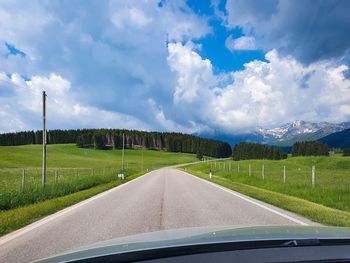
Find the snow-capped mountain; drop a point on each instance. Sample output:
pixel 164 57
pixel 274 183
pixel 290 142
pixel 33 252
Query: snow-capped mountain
pixel 285 135
pixel 301 130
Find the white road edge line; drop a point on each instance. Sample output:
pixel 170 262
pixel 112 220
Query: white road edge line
pixel 49 218
pixel 251 201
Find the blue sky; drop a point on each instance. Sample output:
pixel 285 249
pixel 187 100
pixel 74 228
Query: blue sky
pixel 191 66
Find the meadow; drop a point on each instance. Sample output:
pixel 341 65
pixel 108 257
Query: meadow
pixel 332 174
pixel 70 169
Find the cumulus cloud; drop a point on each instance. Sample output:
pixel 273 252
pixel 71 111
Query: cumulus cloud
pixel 130 17
pixel 21 107
pixel 134 64
pixel 170 125
pixel 194 74
pixel 308 30
pixel 114 53
pixel 241 43
pixel 264 93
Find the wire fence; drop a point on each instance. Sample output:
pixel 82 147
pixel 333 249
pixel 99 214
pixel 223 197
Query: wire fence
pixel 323 181
pixel 279 172
pixel 21 186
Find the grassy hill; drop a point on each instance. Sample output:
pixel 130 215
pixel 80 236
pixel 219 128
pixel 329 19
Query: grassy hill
pixel 337 140
pixel 68 155
pixel 70 169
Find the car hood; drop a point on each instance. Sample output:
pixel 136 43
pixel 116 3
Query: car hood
pixel 198 236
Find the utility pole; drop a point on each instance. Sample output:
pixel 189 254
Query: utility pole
pixel 44 141
pixel 123 159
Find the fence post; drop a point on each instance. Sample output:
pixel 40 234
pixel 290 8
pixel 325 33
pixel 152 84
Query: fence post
pixel 55 175
pixel 224 166
pixel 313 176
pixel 284 174
pixel 238 167
pixel 263 172
pixel 250 170
pixel 23 179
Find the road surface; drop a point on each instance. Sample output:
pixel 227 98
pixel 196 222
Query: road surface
pixel 162 199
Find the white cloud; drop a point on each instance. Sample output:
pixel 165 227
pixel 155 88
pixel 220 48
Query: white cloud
pixel 241 43
pixel 263 94
pixel 21 108
pixel 132 16
pixel 194 74
pixel 110 57
pixel 114 53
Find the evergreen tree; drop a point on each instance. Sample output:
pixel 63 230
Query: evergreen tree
pixel 310 148
pixel 346 152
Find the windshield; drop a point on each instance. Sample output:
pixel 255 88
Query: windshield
pixel 121 118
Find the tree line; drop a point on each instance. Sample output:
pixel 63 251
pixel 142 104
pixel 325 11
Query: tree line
pixel 310 148
pixel 346 152
pixel 247 151
pixel 113 139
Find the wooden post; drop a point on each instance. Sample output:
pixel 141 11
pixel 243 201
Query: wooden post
pixel 23 179
pixel 141 159
pixel 284 174
pixel 238 167
pixel 249 170
pixel 313 176
pixel 263 172
pixel 56 175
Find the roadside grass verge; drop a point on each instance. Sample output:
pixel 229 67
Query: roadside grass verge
pixel 13 198
pixel 13 219
pixel 313 211
pixel 332 187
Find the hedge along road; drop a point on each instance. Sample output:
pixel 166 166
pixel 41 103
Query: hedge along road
pixel 162 199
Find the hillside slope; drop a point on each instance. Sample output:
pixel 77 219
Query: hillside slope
pixel 337 140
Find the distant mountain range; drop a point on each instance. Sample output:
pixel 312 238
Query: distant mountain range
pixel 298 130
pixel 285 135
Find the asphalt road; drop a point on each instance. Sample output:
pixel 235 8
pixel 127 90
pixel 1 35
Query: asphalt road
pixel 162 199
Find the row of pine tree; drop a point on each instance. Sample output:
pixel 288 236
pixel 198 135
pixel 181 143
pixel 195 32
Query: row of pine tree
pixel 247 151
pixel 310 148
pixel 113 138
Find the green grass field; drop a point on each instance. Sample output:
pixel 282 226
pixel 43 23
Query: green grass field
pixel 70 169
pixel 332 187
